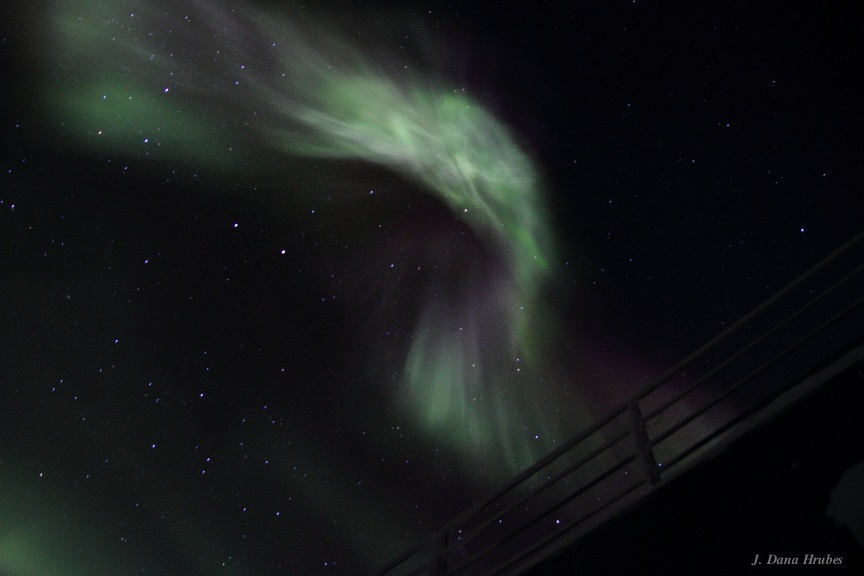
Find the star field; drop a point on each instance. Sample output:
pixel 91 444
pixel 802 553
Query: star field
pixel 287 287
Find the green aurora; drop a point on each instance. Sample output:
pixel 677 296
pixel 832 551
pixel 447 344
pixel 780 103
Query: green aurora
pixel 198 85
pixel 192 83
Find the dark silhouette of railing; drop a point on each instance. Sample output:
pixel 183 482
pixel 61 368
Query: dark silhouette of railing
pixel 781 351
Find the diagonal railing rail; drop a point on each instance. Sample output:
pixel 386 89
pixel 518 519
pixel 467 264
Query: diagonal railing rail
pixel 781 351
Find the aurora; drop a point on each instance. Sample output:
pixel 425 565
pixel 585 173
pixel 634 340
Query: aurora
pixel 292 287
pixel 210 86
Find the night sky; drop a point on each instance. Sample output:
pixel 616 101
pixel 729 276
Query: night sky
pixel 285 286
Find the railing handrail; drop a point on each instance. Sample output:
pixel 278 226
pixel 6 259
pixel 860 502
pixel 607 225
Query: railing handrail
pixel 437 547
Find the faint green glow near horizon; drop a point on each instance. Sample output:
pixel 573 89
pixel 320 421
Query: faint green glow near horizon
pixel 42 534
pixel 201 84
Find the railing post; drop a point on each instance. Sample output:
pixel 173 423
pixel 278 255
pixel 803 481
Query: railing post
pixel 643 445
pixel 437 561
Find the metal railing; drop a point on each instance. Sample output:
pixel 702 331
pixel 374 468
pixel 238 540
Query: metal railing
pixel 781 351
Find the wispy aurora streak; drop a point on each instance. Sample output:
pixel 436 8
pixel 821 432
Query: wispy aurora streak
pixel 211 85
